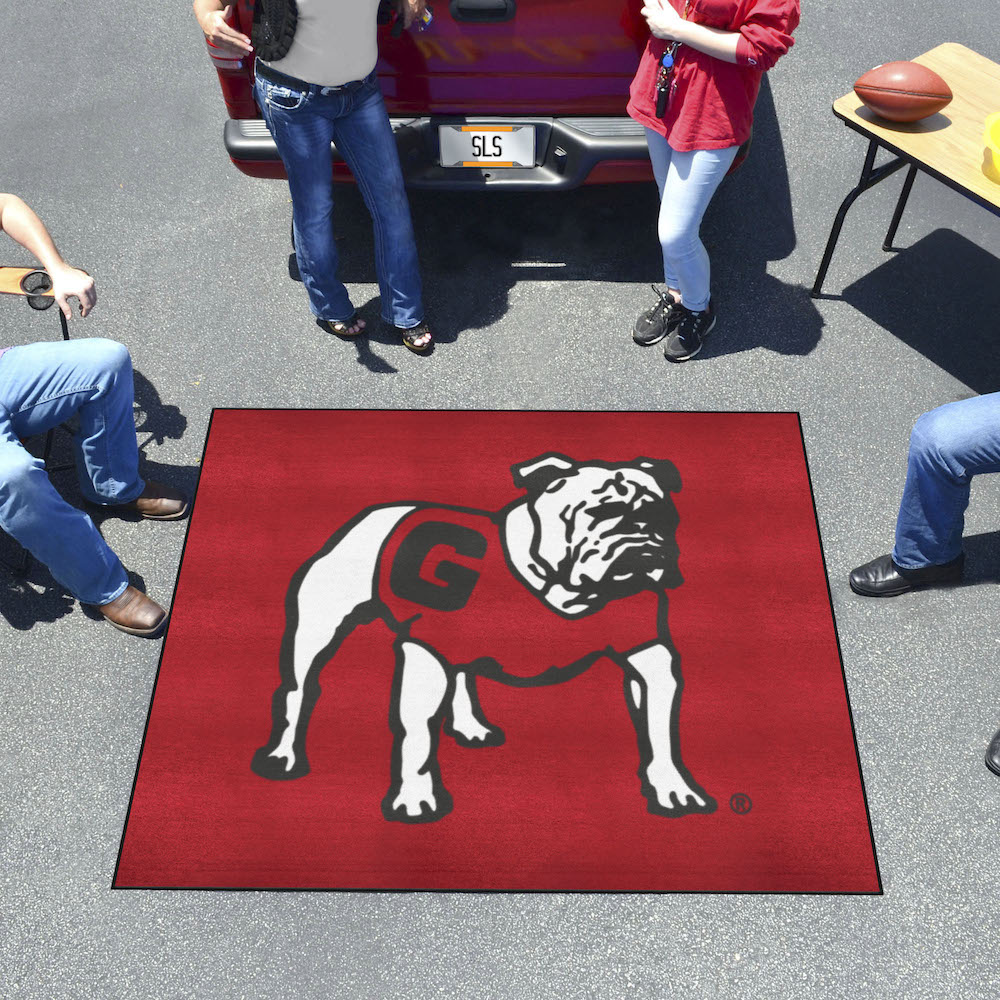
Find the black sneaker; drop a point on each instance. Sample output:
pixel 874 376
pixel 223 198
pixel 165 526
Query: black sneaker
pixel 688 337
pixel 654 324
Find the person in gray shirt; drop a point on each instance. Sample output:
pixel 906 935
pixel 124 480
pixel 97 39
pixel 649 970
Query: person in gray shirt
pixel 315 83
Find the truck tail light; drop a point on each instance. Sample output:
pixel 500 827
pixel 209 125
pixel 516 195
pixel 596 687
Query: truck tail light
pixel 223 60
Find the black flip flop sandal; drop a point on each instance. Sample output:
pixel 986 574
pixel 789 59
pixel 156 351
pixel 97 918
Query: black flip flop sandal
pixel 411 334
pixel 341 327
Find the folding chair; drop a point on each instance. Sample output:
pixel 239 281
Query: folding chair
pixel 35 287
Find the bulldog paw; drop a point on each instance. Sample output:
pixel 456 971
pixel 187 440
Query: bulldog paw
pixel 278 764
pixel 672 795
pixel 417 801
pixel 473 733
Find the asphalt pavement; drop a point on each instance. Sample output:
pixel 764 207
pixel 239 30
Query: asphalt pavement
pixel 111 129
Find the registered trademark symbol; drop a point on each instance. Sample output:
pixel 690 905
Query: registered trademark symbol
pixel 740 803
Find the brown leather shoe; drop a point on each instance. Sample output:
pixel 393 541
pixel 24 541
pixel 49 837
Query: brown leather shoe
pixel 158 502
pixel 135 613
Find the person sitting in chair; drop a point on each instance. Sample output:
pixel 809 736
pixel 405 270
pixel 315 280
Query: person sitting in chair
pixel 948 447
pixel 41 386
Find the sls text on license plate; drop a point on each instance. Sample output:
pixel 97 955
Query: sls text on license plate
pixel 487 145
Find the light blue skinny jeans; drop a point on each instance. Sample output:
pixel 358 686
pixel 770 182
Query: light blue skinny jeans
pixel 303 122
pixel 41 386
pixel 687 182
pixel 948 447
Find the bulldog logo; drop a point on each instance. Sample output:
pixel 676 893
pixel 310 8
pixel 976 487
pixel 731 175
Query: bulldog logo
pixel 574 569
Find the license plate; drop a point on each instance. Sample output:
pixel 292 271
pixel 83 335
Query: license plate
pixel 487 145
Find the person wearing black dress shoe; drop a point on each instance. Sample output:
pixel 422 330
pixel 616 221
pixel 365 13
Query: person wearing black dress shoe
pixel 948 447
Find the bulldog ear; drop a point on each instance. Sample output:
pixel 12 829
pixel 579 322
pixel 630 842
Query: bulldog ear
pixel 664 472
pixel 539 472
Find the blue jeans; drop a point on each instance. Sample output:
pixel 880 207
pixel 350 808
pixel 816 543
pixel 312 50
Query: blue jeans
pixel 687 182
pixel 948 447
pixel 42 385
pixel 304 121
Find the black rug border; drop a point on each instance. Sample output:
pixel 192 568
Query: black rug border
pixel 505 892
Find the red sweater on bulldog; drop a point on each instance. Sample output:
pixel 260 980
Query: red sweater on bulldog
pixel 711 101
pixel 444 575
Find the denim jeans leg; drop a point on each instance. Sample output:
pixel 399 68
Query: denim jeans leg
pixel 42 385
pixel 690 179
pixel 659 157
pixel 303 136
pixel 364 138
pixel 948 446
pixel 58 535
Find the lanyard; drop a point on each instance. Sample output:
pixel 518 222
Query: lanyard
pixel 666 70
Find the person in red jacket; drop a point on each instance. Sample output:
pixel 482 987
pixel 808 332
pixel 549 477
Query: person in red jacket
pixel 694 92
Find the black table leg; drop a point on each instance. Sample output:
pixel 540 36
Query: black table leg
pixel 50 435
pixel 900 205
pixel 870 176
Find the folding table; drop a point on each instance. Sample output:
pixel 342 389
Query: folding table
pixel 948 145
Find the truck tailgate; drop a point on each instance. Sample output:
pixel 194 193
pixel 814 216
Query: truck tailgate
pixel 552 57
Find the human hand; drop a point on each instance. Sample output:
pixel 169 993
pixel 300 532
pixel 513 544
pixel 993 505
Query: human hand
pixel 411 10
pixel 664 22
pixel 222 35
pixel 70 282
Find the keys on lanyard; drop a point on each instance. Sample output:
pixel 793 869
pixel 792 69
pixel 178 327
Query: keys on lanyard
pixel 663 79
pixel 666 70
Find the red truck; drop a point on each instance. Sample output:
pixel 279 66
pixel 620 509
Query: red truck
pixel 517 94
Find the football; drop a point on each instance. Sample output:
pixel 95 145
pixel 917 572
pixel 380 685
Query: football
pixel 903 91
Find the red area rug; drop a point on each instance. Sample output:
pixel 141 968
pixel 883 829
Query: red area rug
pixel 501 651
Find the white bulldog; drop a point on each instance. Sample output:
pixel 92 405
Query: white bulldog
pixel 575 569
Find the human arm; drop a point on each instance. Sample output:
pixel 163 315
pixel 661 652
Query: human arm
pixel 664 22
pixel 763 37
pixel 21 224
pixel 211 15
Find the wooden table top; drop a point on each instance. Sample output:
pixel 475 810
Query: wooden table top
pixel 949 143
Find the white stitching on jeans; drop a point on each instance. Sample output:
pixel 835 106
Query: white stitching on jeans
pixel 58 395
pixel 279 91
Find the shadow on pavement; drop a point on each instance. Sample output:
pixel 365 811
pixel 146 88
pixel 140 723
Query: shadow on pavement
pixel 474 247
pixel 982 558
pixel 25 601
pixel 153 417
pixel 942 297
pixel 749 224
